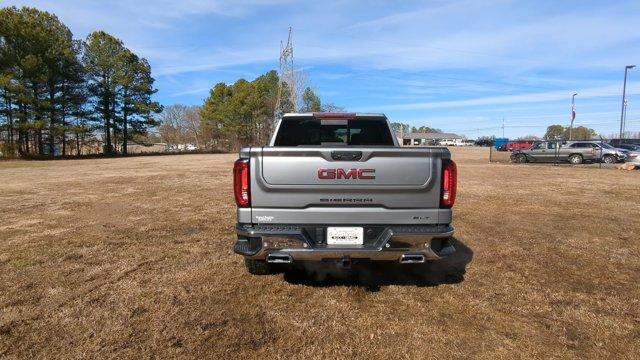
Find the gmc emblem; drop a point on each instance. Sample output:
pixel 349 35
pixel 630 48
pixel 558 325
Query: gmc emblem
pixel 364 174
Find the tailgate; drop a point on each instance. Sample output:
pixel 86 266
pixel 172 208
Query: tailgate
pixel 388 168
pixel 370 179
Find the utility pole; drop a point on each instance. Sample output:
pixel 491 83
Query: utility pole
pixel 624 93
pixel 503 127
pixel 573 114
pixel 624 118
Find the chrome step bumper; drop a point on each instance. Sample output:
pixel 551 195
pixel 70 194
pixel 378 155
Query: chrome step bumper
pixel 407 244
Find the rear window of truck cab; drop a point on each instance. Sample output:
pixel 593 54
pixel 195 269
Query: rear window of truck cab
pixel 583 145
pixel 307 131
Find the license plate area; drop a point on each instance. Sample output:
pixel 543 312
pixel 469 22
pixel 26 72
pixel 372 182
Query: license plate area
pixel 343 235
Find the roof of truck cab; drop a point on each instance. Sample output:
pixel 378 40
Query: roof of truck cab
pixel 314 114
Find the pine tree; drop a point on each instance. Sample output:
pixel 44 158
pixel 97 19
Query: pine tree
pixel 310 101
pixel 135 88
pixel 242 113
pixel 102 60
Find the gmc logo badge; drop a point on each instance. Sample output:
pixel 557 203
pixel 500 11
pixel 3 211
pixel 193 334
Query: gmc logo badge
pixel 364 174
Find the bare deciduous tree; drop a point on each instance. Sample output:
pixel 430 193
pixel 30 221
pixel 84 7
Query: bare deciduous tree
pixel 180 124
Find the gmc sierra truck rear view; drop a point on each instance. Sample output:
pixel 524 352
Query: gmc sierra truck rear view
pixel 337 186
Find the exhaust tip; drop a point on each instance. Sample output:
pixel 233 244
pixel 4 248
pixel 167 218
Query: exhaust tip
pixel 412 259
pixel 279 258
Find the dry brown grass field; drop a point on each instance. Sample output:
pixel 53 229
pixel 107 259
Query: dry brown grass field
pixel 131 257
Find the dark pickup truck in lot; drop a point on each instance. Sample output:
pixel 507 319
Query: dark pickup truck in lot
pixel 337 186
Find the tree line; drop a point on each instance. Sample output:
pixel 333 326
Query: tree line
pixel 403 128
pixel 237 114
pixel 65 96
pixel 554 132
pixel 559 132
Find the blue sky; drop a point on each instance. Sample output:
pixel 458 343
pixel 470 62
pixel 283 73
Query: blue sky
pixel 461 66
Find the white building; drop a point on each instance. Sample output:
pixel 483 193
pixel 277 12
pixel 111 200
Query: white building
pixel 427 139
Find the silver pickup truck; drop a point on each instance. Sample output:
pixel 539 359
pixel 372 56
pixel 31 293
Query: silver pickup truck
pixel 575 152
pixel 337 187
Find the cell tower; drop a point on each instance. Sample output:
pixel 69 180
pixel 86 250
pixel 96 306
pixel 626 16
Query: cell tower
pixel 287 78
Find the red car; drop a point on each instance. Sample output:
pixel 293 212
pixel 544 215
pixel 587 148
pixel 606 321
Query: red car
pixel 519 145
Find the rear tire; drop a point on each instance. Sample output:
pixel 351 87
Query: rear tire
pixel 521 158
pixel 575 159
pixel 609 159
pixel 258 267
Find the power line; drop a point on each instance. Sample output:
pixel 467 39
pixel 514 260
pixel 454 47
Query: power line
pixel 633 121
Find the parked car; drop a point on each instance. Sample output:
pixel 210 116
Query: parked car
pixel 540 151
pixel 451 142
pixel 501 144
pixel 519 145
pixel 634 156
pixel 337 186
pixel 575 152
pixel 610 154
pixel 629 147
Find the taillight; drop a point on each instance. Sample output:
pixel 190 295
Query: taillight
pixel 449 183
pixel 241 182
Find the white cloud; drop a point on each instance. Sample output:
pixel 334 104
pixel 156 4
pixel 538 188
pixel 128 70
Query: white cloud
pixel 497 35
pixel 562 95
pixel 480 57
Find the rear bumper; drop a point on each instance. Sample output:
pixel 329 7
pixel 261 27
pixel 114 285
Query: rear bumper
pixel 288 243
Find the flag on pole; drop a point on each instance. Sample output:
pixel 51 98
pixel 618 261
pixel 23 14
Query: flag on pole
pixel 573 113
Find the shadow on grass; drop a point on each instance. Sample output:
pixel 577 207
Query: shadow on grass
pixel 373 275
